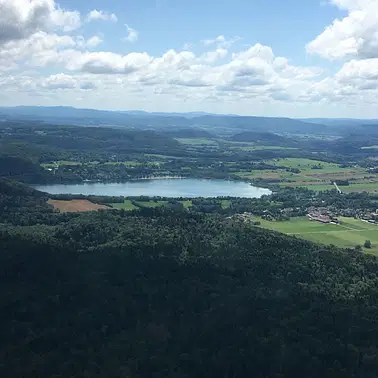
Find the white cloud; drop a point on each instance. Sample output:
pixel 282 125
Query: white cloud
pixel 220 41
pixel 37 33
pixel 65 20
pixel 217 40
pixel 213 56
pixel 354 36
pixel 132 34
pixel 104 62
pixel 96 15
pixel 94 41
pixel 59 81
pixel 38 50
pixel 20 19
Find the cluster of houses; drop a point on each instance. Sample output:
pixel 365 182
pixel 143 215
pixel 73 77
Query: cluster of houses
pixel 322 215
pixel 371 217
pixel 325 215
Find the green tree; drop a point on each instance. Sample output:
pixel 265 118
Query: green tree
pixel 367 244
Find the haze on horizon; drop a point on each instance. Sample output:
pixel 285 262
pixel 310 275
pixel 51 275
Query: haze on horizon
pixel 266 58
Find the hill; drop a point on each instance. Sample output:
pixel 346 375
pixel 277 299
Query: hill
pixel 189 133
pixel 262 138
pixel 20 169
pixel 173 294
pixel 144 120
pixel 340 122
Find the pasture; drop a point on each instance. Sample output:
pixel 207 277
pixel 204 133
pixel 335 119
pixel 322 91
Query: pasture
pixel 349 233
pixel 60 163
pixel 125 205
pixel 197 141
pixel 151 203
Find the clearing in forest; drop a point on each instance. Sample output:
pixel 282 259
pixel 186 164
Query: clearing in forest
pixel 75 206
pixel 349 233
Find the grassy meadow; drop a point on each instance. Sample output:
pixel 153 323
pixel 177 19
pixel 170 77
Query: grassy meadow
pixel 349 233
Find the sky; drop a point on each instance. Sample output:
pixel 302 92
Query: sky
pixel 292 58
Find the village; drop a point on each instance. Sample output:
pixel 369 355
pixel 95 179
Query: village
pixel 325 215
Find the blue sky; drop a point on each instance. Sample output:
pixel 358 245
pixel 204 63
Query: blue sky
pixel 265 57
pixel 285 25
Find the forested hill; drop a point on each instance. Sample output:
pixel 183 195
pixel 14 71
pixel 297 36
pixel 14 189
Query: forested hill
pixel 263 138
pixel 173 294
pixel 189 133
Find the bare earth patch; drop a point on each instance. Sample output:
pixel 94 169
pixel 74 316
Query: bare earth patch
pixel 75 206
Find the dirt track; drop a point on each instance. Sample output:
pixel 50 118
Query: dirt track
pixel 75 206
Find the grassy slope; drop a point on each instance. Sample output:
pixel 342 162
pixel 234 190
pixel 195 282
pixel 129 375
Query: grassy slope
pixel 347 235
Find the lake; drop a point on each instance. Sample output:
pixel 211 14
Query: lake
pixel 161 188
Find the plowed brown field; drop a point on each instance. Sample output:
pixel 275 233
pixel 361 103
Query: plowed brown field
pixel 75 206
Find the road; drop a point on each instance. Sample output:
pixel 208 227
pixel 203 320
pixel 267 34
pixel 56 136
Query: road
pixel 337 188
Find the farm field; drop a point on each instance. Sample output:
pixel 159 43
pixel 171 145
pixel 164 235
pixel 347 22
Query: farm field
pixel 197 141
pixel 225 204
pixel 187 204
pixel 370 187
pixel 75 206
pixel 126 205
pixel 150 203
pixel 315 175
pixel 129 163
pixel 261 148
pixel 129 206
pixel 349 233
pixel 60 162
pixel 325 170
pixel 304 164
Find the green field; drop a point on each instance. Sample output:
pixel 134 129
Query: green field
pixel 129 206
pixel 60 162
pixel 197 141
pixel 126 205
pixel 315 187
pixel 370 187
pixel 125 163
pixel 306 164
pixel 348 234
pixel 225 204
pixel 261 148
pixel 151 203
pixel 187 204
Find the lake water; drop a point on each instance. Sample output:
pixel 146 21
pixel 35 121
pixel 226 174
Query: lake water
pixel 161 188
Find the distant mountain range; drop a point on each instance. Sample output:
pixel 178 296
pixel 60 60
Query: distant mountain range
pixel 45 111
pixel 340 121
pixel 214 123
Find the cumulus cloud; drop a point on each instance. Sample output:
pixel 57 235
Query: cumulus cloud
pixel 20 19
pixel 93 41
pixel 105 62
pixel 213 56
pixel 354 36
pixel 96 15
pixel 38 49
pixel 37 33
pixel 59 81
pixel 358 74
pixel 132 34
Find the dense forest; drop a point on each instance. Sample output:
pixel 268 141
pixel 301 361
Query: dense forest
pixel 162 293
